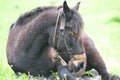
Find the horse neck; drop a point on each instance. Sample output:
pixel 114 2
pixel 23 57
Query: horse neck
pixel 36 27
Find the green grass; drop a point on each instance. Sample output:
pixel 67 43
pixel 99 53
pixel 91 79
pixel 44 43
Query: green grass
pixel 102 24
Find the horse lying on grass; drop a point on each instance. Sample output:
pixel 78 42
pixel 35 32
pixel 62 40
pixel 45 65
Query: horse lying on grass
pixel 51 39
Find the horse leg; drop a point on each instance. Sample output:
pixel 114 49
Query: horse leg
pixel 65 73
pixel 63 70
pixel 94 59
pixel 61 65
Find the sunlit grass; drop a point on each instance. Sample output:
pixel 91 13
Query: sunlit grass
pixel 102 24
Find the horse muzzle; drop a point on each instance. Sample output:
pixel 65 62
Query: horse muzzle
pixel 77 65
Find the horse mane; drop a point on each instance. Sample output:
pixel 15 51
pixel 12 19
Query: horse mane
pixel 28 16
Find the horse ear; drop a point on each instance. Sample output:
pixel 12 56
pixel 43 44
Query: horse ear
pixel 77 6
pixel 65 7
pixel 67 10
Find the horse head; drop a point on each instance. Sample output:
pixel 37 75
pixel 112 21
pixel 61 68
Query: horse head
pixel 66 37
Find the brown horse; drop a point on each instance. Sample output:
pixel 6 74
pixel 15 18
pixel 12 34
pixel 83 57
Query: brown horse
pixel 51 39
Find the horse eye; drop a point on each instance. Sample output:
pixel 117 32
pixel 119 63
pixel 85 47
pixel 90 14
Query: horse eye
pixel 73 34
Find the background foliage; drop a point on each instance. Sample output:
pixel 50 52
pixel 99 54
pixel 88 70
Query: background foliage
pixel 102 24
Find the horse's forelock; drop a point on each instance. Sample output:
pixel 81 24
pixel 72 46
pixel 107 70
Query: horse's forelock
pixel 77 22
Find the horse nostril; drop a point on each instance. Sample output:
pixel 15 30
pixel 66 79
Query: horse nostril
pixel 81 65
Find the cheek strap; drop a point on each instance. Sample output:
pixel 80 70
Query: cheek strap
pixel 61 17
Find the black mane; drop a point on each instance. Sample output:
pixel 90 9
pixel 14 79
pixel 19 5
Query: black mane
pixel 26 17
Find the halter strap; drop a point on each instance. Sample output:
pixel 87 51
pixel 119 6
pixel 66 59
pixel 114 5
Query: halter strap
pixel 62 23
